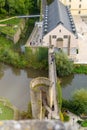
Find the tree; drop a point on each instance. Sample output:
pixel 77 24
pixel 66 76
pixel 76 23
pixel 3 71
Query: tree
pixel 2 4
pixel 63 65
pixel 13 7
pixel 78 104
pixel 81 97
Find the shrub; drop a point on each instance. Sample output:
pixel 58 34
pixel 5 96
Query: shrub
pixel 78 104
pixel 63 65
pixel 66 117
pixel 84 123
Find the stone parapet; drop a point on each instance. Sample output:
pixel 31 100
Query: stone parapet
pixel 33 125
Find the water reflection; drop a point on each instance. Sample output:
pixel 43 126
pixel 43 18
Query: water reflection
pixel 16 71
pixel 33 73
pixel 71 84
pixel 14 84
pixel 66 80
pixel 1 71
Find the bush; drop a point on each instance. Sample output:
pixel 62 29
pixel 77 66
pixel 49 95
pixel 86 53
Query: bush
pixel 66 117
pixel 63 65
pixel 84 123
pixel 80 69
pixel 78 104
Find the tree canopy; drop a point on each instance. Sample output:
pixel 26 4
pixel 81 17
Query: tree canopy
pixel 63 65
pixel 13 7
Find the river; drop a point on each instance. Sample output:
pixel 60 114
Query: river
pixel 14 84
pixel 72 83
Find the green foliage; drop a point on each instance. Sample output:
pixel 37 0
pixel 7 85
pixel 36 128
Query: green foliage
pixel 66 117
pixel 22 60
pixel 13 21
pixel 10 29
pixel 61 116
pixel 81 97
pixel 80 69
pixel 78 104
pixel 28 114
pixel 59 96
pixel 84 123
pixel 13 7
pixel 63 65
pixel 6 112
pixel 42 56
pixel 6 109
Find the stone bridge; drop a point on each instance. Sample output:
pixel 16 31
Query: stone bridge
pixel 51 106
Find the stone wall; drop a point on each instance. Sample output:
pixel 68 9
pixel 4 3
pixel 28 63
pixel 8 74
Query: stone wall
pixel 35 125
pixel 16 36
pixel 38 85
pixel 19 31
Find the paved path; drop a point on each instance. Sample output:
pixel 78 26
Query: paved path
pixel 35 37
pixel 81 27
pixel 53 78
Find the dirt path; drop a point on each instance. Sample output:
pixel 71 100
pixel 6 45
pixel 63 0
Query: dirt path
pixel 3 25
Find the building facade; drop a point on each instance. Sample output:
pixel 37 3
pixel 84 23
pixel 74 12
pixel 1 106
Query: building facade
pixel 78 7
pixel 59 25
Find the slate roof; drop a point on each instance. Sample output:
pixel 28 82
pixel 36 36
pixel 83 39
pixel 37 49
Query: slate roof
pixel 57 13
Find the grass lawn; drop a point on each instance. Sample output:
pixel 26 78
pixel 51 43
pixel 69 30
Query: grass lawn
pixel 6 113
pixel 11 28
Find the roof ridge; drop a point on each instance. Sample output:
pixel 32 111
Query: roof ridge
pixel 59 11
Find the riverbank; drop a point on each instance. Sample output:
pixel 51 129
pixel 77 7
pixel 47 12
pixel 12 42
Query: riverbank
pixel 80 69
pixel 12 54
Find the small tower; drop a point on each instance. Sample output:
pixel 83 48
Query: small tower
pixel 40 93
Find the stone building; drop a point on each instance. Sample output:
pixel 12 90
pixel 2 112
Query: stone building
pixel 78 7
pixel 59 25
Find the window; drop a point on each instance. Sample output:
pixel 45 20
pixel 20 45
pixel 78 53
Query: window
pixel 79 12
pixel 69 6
pixel 80 6
pixel 54 36
pixel 65 36
pixel 60 30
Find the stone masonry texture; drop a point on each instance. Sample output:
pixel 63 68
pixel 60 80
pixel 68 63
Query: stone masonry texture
pixel 33 125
